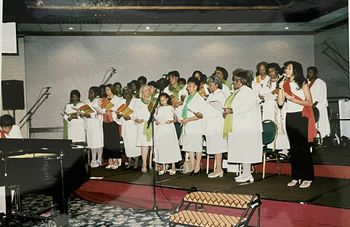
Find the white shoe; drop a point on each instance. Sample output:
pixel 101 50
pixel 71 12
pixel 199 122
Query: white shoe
pixel 216 174
pixel 114 166
pixel 98 163
pixel 238 177
pixel 108 166
pixel 293 183
pixel 94 164
pixel 161 172
pixel 172 172
pixel 305 184
pixel 245 179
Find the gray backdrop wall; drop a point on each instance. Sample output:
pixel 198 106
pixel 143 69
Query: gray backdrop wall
pixel 78 62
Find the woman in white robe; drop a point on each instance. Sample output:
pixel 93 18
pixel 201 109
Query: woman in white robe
pixel 242 126
pixel 214 123
pixel 192 130
pixel 75 122
pixel 94 128
pixel 142 110
pixel 129 131
pixel 166 144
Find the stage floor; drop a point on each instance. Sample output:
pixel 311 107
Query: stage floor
pixel 331 192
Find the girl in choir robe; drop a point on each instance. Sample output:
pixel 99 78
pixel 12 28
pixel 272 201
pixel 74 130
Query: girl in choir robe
pixel 111 133
pixel 242 126
pixel 192 130
pixel 142 110
pixel 214 123
pixel 166 144
pixel 129 130
pixel 75 122
pixel 94 127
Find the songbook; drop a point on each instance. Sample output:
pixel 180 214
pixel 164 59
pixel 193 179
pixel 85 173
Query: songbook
pixel 86 109
pixel 73 115
pixel 107 104
pixel 217 105
pixel 124 110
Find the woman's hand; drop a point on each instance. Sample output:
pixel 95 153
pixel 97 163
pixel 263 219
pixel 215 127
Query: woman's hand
pixel 119 115
pixel 289 97
pixel 185 120
pixel 156 122
pixel 228 111
pixel 139 121
pixel 169 122
pixel 128 118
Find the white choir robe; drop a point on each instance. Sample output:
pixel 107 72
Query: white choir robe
pixel 191 136
pixel 275 114
pixel 258 86
pixel 141 112
pixel 245 140
pixel 319 93
pixel 214 124
pixel 129 134
pixel 182 93
pixel 226 90
pixel 76 127
pixel 166 144
pixel 94 126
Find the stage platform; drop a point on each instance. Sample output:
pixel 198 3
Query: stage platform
pixel 326 203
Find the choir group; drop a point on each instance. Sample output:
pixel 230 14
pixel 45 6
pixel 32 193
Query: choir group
pixel 173 113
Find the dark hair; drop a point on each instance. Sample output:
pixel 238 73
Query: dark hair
pixel 113 90
pixel 7 120
pixel 126 90
pixel 264 63
pixel 223 70
pixel 162 83
pixel 197 71
pixel 274 66
pixel 245 76
pixel 297 72
pixel 238 70
pixel 74 92
pixel 193 80
pixel 216 80
pixel 117 83
pixel 313 68
pixel 174 73
pixel 142 80
pixel 102 91
pixel 152 83
pixel 166 96
pixel 136 83
pixel 96 90
pixel 182 80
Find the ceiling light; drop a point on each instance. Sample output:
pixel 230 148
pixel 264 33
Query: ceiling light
pixel 286 27
pixel 147 28
pixel 71 28
pixel 219 28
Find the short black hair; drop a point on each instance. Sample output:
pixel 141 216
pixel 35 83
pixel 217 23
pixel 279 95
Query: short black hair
pixel 313 68
pixel 142 80
pixel 152 83
pixel 193 80
pixel 274 66
pixel 182 80
pixel 7 120
pixel 96 90
pixel 166 96
pixel 74 92
pixel 174 73
pixel 223 70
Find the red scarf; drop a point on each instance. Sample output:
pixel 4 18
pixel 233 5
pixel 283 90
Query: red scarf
pixel 307 112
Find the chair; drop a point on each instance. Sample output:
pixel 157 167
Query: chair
pixel 269 136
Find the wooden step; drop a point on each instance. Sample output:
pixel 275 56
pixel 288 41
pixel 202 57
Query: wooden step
pixel 219 199
pixel 195 218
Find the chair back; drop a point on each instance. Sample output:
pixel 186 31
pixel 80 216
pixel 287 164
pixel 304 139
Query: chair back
pixel 269 131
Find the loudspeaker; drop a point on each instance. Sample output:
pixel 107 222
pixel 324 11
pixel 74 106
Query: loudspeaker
pixel 12 95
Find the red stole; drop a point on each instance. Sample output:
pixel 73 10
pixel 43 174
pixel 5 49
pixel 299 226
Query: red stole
pixel 307 112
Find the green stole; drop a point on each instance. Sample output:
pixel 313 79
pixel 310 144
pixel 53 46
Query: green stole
pixel 184 109
pixel 175 90
pixel 147 131
pixel 228 119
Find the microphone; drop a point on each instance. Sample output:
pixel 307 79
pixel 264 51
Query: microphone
pixel 113 69
pixel 280 80
pixel 47 88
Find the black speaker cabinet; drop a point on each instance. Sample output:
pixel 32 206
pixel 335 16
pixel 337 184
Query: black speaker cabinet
pixel 12 94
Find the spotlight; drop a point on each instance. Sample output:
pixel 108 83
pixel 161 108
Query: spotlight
pixel 71 28
pixel 286 27
pixel 147 28
pixel 219 28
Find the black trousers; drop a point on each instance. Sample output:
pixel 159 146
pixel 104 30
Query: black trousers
pixel 111 139
pixel 301 157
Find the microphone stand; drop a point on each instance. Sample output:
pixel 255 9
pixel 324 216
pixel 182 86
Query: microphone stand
pixel 109 77
pixel 33 109
pixel 154 172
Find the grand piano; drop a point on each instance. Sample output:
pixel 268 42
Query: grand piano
pixel 50 166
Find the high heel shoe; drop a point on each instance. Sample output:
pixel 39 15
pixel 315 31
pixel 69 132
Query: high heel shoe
pixel 172 172
pixel 216 174
pixel 245 179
